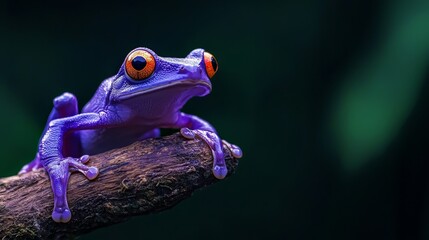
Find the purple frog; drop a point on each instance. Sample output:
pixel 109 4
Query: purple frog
pixel 145 95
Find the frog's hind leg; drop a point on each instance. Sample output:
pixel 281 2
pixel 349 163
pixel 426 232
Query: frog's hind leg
pixel 65 105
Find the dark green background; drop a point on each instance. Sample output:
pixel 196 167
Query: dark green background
pixel 328 100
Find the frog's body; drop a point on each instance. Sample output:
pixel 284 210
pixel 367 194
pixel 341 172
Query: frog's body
pixel 145 95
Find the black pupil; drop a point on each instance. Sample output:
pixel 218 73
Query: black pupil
pixel 138 63
pixel 214 64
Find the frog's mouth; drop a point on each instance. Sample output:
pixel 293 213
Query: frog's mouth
pixel 191 84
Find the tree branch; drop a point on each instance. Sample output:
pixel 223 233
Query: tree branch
pixel 146 177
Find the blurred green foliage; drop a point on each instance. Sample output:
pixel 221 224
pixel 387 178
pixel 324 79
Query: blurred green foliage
pixel 382 87
pixel 326 98
pixel 18 128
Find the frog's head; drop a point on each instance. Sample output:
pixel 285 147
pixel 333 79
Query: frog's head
pixel 146 78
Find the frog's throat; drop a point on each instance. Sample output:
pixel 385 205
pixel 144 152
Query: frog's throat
pixel 191 83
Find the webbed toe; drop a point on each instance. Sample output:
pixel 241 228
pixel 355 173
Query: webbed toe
pixel 61 215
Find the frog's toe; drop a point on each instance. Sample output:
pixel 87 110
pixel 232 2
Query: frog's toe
pixel 220 172
pixel 61 215
pixel 91 173
pixel 84 159
pixel 234 149
pixel 25 169
pixel 187 133
pixel 78 165
pixel 32 166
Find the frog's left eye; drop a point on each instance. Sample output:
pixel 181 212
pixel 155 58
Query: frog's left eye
pixel 211 64
pixel 139 65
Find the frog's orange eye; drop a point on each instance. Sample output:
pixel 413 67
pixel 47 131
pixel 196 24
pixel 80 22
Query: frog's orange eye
pixel 139 65
pixel 211 64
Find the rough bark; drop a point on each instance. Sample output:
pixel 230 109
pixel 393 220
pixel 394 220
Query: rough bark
pixel 145 177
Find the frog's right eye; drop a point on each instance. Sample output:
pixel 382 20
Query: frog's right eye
pixel 139 65
pixel 211 64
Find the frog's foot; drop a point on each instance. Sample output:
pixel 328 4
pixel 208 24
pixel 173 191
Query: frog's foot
pixel 59 172
pixel 31 166
pixel 214 142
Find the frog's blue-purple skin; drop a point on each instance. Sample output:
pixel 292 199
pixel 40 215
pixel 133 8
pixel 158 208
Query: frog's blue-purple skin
pixel 122 111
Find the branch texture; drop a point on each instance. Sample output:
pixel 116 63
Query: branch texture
pixel 145 177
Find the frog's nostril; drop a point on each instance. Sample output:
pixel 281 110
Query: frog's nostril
pixel 182 69
pixel 191 71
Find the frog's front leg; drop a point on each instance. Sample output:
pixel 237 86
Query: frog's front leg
pixel 193 126
pixel 60 168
